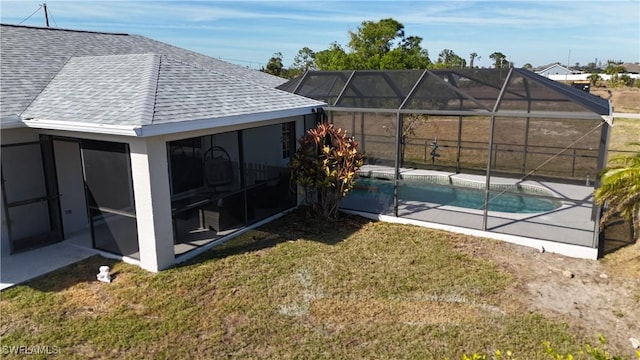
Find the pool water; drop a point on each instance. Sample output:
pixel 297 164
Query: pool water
pixel 454 196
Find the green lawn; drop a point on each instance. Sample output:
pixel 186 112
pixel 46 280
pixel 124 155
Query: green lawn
pixel 295 288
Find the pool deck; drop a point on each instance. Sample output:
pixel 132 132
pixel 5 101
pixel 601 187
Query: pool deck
pixel 570 224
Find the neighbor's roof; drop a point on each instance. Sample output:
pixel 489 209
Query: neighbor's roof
pixel 119 79
pixel 546 68
pixel 633 68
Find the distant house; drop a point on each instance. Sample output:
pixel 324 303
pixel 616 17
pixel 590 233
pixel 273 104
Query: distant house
pixel 632 68
pixel 555 69
pixel 139 149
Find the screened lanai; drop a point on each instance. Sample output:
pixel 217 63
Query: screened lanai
pixel 502 151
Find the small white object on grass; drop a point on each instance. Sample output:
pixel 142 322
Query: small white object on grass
pixel 635 343
pixel 103 275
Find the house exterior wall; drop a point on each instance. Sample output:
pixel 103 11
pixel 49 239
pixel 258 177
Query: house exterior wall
pixel 73 203
pixel 555 70
pixel 150 173
pixel 149 169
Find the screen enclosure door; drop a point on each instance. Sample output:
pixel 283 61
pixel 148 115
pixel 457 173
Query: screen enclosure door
pixel 109 193
pixel 30 195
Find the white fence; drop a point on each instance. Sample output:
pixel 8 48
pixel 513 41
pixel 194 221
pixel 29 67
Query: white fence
pixel 578 77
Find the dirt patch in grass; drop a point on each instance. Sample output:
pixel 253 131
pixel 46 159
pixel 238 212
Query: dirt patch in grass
pixel 87 300
pixel 412 312
pixel 593 297
pixel 624 99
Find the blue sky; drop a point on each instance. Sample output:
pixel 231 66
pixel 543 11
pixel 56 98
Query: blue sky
pixel 249 32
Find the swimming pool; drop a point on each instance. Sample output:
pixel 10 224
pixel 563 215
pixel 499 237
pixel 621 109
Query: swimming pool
pixel 470 198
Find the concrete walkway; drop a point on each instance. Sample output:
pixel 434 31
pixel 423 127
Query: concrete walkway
pixel 626 115
pixel 21 267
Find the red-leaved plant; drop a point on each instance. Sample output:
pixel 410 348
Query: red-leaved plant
pixel 326 165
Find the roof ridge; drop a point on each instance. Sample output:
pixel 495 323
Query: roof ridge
pixel 155 91
pixel 63 29
pixel 199 67
pixel 45 86
pixel 209 57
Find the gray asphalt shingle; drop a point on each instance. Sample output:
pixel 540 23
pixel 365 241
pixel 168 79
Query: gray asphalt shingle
pixel 186 92
pixel 147 89
pixel 101 89
pixel 32 57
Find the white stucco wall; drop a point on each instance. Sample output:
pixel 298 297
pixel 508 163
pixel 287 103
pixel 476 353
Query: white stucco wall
pixel 73 204
pixel 149 168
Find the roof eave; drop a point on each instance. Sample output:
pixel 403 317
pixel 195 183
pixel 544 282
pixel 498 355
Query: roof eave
pixel 234 120
pixel 48 124
pixel 167 128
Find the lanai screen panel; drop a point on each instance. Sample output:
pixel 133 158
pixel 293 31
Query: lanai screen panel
pixel 324 86
pixel 464 89
pixel 525 95
pixel 562 148
pixel 378 90
pixel 542 128
pixel 376 133
pixel 481 84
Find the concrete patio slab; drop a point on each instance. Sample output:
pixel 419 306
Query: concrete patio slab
pixel 21 267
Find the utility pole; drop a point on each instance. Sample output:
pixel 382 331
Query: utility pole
pixel 46 15
pixel 568 62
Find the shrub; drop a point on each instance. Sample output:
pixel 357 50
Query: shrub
pixel 326 165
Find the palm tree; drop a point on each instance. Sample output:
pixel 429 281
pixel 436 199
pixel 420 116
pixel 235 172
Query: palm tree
pixel 594 78
pixel 620 190
pixel 473 56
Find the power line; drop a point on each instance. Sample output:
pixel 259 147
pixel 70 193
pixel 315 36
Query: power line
pixel 27 18
pixel 52 18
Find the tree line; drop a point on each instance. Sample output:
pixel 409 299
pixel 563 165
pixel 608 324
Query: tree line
pixel 376 45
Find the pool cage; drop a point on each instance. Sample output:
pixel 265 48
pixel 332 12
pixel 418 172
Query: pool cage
pixel 503 151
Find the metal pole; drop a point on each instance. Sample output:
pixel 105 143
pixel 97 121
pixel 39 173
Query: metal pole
pixel 396 177
pixel 459 144
pixel 526 147
pixel 526 129
pixel 490 147
pixel 46 14
pixel 602 162
pixel 362 135
pixel 573 164
pixel 353 124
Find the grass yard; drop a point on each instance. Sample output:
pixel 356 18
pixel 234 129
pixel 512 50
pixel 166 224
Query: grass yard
pixel 295 288
pixel 624 133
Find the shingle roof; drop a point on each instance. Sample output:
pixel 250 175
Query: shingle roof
pixel 186 92
pixel 102 89
pixel 69 63
pixel 632 68
pixel 149 89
